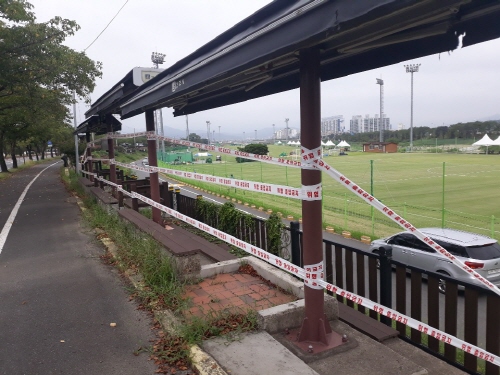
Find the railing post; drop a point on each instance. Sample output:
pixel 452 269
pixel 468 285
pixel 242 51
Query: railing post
pixel 177 199
pixel 385 281
pixel 295 243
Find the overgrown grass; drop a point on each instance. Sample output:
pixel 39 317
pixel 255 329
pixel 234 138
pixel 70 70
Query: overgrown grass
pixel 162 288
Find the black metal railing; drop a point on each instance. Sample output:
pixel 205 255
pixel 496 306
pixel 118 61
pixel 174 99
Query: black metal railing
pixel 465 310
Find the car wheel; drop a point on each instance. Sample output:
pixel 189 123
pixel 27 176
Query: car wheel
pixel 442 283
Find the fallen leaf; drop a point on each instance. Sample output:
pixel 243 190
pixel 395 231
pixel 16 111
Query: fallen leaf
pixel 112 324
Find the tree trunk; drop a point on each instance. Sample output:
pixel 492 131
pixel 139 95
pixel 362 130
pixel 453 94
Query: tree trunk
pixel 29 152
pixel 13 154
pixel 3 164
pixel 37 151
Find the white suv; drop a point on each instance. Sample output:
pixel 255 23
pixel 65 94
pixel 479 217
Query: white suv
pixel 479 252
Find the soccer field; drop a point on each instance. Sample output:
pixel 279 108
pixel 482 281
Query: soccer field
pixel 411 184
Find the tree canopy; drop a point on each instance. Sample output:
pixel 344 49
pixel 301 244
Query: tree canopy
pixel 39 76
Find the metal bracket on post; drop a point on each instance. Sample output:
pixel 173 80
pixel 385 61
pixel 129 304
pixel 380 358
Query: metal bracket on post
pixel 385 281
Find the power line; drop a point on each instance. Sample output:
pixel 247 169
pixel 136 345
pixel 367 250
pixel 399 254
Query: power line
pixel 109 23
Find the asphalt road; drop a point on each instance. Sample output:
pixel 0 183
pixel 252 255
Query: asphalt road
pixel 57 299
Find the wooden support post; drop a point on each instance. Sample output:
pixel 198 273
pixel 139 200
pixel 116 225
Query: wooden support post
pixel 153 177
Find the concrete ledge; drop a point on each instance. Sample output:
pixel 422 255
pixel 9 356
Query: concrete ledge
pixel 279 318
pixel 277 277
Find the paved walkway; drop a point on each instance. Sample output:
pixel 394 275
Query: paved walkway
pixel 57 299
pixel 237 292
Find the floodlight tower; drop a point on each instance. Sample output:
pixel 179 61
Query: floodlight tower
pixel 412 68
pixel 286 120
pixel 381 122
pixel 158 59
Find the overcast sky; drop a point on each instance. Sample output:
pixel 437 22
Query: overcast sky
pixel 460 86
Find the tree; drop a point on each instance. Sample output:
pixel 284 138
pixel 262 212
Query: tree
pixel 193 137
pixel 252 148
pixel 37 68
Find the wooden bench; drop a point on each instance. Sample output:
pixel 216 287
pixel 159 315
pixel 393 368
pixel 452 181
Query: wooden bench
pixel 178 241
pixel 104 197
pixel 85 181
pixel 363 323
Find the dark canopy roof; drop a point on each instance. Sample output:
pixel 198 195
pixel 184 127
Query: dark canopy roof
pixel 259 55
pixel 98 124
pixel 110 101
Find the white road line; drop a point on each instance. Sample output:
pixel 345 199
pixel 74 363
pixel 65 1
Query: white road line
pixel 13 214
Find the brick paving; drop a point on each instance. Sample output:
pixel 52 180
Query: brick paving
pixel 233 292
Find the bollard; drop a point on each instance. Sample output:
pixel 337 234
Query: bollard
pixel 385 253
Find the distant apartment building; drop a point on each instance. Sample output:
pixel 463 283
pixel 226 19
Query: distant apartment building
pixel 292 133
pixel 367 124
pixel 332 125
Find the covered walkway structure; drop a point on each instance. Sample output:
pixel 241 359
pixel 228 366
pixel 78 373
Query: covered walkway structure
pixel 297 44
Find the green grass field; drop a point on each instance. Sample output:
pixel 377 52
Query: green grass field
pixel 411 184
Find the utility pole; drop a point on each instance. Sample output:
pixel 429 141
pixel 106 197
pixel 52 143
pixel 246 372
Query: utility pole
pixel 77 157
pixel 381 122
pixel 187 128
pixel 286 120
pixel 412 68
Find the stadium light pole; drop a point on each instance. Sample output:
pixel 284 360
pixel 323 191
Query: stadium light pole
pixel 381 118
pixel 158 59
pixel 412 68
pixel 208 132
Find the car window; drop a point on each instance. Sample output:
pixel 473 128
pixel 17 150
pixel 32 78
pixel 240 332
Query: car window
pixel 456 250
pixel 485 252
pixel 409 240
pixel 403 239
pixel 421 245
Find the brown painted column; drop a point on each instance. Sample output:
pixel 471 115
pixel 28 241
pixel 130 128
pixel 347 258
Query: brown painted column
pixel 315 327
pixel 89 154
pixel 153 177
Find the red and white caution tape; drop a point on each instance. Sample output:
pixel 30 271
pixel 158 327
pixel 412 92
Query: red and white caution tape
pixel 313 277
pixel 131 135
pixel 406 225
pixel 202 146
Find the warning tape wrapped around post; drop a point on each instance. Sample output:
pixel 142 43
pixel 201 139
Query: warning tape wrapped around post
pixel 316 275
